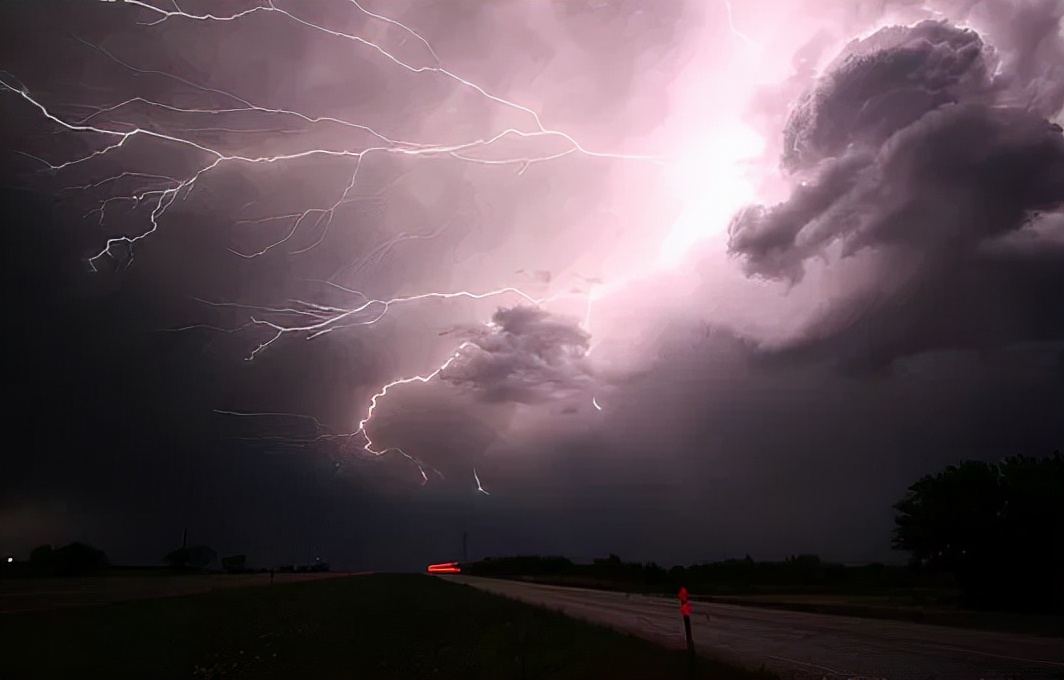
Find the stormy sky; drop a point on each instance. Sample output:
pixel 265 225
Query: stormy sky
pixel 675 280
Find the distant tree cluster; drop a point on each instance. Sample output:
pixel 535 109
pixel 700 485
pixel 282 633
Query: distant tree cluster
pixel 742 576
pixel 522 565
pixel 75 559
pixel 998 528
pixel 798 573
pixel 196 557
pixel 235 564
pixel 316 568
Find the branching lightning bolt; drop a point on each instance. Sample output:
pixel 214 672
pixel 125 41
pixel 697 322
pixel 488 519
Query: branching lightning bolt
pixel 735 31
pixel 480 487
pixel 314 320
pixel 158 192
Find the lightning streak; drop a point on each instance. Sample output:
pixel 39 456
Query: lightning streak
pixel 324 319
pixel 112 124
pixel 373 402
pixel 298 416
pixel 735 31
pixel 480 487
pixel 164 198
pixel 314 320
pixel 435 68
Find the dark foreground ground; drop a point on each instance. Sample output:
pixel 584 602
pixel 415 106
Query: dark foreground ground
pixel 377 626
pixel 913 605
pixel 807 646
pixel 36 594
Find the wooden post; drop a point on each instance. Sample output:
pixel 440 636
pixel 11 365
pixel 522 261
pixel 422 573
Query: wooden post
pixel 687 632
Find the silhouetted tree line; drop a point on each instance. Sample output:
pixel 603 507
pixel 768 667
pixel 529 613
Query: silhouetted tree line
pixel 998 528
pixel 75 559
pixel 81 559
pixel 316 568
pixel 195 558
pixel 993 530
pixel 746 576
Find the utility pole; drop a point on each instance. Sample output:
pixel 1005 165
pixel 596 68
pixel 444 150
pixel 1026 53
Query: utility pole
pixel 465 547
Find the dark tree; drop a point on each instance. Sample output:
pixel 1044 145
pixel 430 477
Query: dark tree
pixel 235 563
pixel 654 575
pixel 76 559
pixel 177 559
pixel 196 557
pixel 41 556
pixel 998 528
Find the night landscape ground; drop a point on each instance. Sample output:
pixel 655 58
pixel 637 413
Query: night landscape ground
pixel 377 626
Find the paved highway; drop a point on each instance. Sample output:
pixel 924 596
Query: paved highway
pixel 801 646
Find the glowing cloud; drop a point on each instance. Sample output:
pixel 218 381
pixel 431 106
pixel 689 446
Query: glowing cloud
pixel 712 180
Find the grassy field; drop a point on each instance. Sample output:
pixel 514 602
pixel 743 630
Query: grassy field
pixel 380 626
pixel 29 594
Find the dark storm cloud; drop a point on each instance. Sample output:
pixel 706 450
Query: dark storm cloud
pixel 769 236
pixel 140 453
pixel 908 149
pixel 901 143
pixel 1030 43
pixel 958 176
pixel 757 449
pixel 698 452
pixel 884 83
pixel 525 355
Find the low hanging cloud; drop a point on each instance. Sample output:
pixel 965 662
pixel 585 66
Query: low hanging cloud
pixel 912 148
pixel 525 355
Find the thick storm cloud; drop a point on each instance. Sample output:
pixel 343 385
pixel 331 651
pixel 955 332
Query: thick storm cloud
pixel 903 143
pixel 525 355
pixel 679 281
pixel 881 84
pixel 910 152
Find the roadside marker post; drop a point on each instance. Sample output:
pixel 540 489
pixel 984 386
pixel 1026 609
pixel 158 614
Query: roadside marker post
pixel 685 611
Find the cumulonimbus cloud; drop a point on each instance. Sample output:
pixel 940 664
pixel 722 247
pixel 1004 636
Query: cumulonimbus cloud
pixel 904 142
pixel 915 147
pixel 524 355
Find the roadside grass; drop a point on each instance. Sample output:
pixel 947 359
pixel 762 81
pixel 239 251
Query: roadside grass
pixel 903 609
pixel 378 626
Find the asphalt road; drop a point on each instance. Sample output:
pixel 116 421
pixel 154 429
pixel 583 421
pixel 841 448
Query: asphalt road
pixel 803 646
